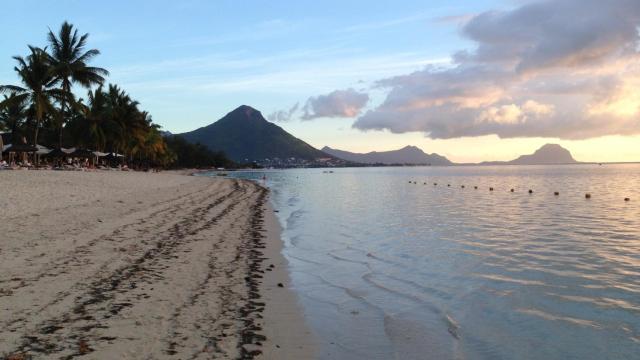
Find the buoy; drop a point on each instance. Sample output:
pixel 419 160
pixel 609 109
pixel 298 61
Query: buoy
pixel 627 199
pixel 512 190
pixel 475 187
pixel 556 193
pixel 490 189
pixel 424 184
pixel 530 191
pixel 462 186
pixel 449 185
pixel 587 196
pixel 435 184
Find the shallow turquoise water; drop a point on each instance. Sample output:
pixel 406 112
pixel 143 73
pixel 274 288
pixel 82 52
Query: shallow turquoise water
pixel 390 269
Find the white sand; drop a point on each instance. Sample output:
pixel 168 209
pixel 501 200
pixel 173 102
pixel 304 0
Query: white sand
pixel 113 265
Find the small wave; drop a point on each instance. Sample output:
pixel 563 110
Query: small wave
pixel 341 258
pixel 602 302
pixel 551 317
pixel 511 280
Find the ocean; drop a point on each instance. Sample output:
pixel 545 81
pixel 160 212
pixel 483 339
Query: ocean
pixel 389 265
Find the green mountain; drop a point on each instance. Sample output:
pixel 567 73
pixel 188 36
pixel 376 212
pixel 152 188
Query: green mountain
pixel 244 135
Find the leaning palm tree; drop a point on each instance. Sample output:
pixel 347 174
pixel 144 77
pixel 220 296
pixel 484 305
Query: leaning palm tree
pixel 35 75
pixel 69 66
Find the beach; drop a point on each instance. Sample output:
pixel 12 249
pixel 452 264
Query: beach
pixel 113 265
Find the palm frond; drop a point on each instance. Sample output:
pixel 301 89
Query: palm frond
pixel 12 89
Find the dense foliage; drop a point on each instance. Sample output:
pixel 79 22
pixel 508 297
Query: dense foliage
pixel 188 155
pixel 43 109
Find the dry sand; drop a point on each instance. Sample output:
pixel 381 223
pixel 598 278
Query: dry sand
pixel 112 265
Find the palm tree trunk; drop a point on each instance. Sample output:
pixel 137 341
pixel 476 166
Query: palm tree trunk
pixel 63 108
pixel 35 133
pixel 61 125
pixel 35 141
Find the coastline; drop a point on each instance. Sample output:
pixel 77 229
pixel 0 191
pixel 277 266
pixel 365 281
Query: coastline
pixel 139 265
pixel 288 336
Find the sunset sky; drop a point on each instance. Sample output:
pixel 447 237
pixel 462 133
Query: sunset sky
pixel 478 80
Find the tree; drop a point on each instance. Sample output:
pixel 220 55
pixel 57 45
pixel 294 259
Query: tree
pixel 69 60
pixel 13 113
pixel 109 119
pixel 35 75
pixel 187 155
pixel 90 125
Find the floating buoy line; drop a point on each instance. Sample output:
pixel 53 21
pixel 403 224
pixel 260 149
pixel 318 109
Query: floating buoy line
pixel 555 193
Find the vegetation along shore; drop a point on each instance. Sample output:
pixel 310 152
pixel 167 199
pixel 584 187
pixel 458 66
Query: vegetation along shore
pixel 46 111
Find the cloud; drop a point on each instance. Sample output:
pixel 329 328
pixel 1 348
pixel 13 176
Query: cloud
pixel 339 103
pixel 283 115
pixel 515 114
pixel 564 68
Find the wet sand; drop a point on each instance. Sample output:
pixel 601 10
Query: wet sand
pixel 112 265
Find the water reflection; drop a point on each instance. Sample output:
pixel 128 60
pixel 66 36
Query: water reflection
pixel 386 268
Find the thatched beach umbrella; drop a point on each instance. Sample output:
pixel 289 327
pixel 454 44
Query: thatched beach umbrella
pixel 57 154
pixel 83 154
pixel 20 148
pixel 112 157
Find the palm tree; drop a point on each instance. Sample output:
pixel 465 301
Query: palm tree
pixel 155 148
pixel 13 112
pixel 34 73
pixel 69 60
pixel 93 127
pixel 125 114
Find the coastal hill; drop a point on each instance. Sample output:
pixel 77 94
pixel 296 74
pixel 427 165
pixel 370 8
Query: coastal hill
pixel 549 154
pixel 407 155
pixel 245 135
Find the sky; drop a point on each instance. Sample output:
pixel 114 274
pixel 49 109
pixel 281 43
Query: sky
pixel 471 80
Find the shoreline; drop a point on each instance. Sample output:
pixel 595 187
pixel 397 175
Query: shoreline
pixel 287 333
pixel 138 265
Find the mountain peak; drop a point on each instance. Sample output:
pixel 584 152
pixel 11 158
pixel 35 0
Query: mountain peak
pixel 245 112
pixel 245 135
pixel 550 147
pixel 412 148
pixel 547 154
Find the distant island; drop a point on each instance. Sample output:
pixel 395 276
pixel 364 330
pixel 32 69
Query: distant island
pixel 549 154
